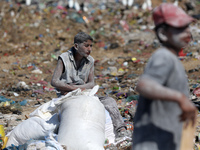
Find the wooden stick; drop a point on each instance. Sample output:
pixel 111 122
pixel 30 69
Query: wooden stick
pixel 187 139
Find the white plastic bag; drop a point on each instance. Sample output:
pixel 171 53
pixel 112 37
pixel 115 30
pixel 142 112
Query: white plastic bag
pixel 45 111
pixel 82 125
pixel 33 128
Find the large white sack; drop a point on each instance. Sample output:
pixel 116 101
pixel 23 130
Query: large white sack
pixel 33 128
pixel 46 110
pixel 82 125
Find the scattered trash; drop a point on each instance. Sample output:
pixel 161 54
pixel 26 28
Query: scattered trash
pixel 35 33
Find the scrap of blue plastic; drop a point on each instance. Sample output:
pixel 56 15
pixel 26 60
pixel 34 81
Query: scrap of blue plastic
pixel 3 99
pixel 23 103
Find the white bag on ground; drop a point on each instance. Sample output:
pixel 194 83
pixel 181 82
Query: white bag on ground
pixel 82 125
pixel 33 128
pixel 46 110
pixel 109 129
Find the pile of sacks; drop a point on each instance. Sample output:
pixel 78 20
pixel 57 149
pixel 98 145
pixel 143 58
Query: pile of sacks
pixel 77 120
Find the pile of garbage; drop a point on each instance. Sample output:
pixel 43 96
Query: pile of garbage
pixel 34 33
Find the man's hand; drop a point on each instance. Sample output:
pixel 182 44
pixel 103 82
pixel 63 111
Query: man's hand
pixel 82 89
pixel 189 111
pixel 64 93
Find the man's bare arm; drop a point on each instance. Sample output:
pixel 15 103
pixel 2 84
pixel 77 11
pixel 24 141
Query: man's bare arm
pixel 90 84
pixel 153 90
pixel 62 86
pixel 57 83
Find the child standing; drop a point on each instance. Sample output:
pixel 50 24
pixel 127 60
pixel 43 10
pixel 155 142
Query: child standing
pixel 164 94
